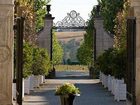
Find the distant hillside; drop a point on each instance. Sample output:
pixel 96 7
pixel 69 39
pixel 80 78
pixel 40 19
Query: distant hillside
pixel 67 36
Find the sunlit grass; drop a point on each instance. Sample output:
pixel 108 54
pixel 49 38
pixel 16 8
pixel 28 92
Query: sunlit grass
pixel 71 67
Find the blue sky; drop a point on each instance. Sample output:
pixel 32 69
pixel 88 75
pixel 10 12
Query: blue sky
pixel 60 8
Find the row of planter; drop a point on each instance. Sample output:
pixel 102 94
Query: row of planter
pixel 116 86
pixel 29 84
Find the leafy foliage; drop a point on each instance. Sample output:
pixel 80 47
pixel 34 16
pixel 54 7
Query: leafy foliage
pixel 27 59
pixel 113 62
pixel 85 52
pixel 57 53
pixel 25 8
pixel 41 62
pixel 70 51
pixel 109 10
pixel 84 55
pixel 40 12
pixel 66 89
pixel 120 27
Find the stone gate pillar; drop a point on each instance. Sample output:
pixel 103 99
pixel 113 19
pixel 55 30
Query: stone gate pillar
pixel 135 4
pixel 103 40
pixel 45 36
pixel 6 51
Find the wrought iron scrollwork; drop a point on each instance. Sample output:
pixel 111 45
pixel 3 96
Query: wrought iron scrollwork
pixel 73 19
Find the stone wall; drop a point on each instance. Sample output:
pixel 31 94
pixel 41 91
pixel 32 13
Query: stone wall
pixel 6 51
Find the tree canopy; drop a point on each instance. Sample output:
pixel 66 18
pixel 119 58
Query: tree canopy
pixel 57 53
pixel 109 10
pixel 85 52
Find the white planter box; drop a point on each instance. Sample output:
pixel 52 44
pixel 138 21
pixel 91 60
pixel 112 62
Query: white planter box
pixel 120 90
pixel 109 82
pixel 36 82
pixel 41 79
pixel 14 91
pixel 105 81
pixel 44 79
pixel 23 88
pixel 114 81
pixel 100 76
pixel 32 82
pixel 103 78
pixel 27 85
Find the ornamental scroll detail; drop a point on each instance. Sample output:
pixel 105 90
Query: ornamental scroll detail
pixel 4 53
pixel 73 19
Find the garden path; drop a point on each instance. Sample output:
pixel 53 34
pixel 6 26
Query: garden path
pixel 92 92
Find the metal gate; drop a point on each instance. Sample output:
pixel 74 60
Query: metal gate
pixel 131 59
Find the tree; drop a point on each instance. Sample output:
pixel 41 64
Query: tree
pixel 84 55
pixel 27 59
pixel 33 11
pixel 41 61
pixel 85 52
pixel 120 27
pixel 40 11
pixel 109 10
pixel 25 8
pixel 57 53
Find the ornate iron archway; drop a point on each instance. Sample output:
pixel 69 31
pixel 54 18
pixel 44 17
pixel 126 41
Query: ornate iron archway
pixel 73 20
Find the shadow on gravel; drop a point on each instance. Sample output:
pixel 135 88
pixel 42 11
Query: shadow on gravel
pixel 73 77
pixel 95 94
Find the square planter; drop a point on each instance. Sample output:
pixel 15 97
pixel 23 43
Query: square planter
pixel 120 90
pixel 41 79
pixel 14 91
pixel 31 82
pixel 27 85
pixel 36 81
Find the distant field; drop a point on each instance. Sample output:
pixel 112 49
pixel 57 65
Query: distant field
pixel 71 67
pixel 67 36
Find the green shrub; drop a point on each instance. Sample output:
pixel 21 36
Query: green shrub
pixel 119 64
pixel 112 62
pixel 66 89
pixel 27 59
pixel 41 62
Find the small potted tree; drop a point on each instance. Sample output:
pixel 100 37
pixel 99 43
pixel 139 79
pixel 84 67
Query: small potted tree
pixel 41 64
pixel 67 93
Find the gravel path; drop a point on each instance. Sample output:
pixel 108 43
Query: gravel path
pixel 92 92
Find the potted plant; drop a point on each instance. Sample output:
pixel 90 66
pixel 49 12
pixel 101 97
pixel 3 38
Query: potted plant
pixel 41 64
pixel 67 93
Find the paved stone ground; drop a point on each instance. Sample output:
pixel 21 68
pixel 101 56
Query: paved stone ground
pixel 92 92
